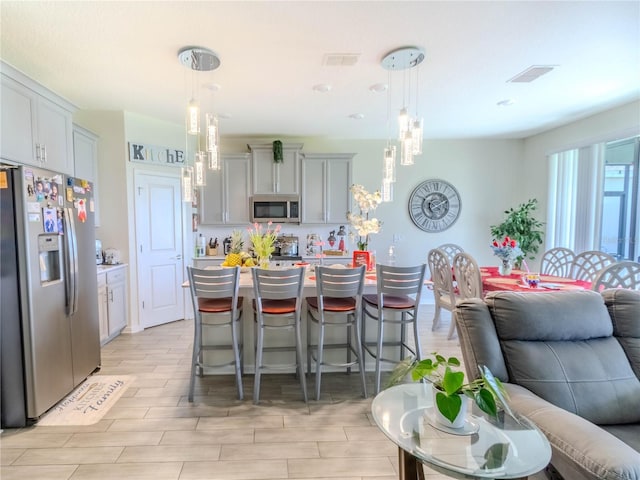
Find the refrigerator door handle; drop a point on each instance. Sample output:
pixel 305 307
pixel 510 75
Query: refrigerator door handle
pixel 72 262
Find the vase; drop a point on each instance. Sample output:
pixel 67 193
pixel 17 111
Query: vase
pixel 263 261
pixel 505 267
pixel 458 422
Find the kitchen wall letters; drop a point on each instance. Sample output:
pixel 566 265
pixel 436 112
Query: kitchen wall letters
pixel 139 152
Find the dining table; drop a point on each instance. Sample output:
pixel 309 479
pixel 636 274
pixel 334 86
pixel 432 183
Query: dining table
pixel 492 281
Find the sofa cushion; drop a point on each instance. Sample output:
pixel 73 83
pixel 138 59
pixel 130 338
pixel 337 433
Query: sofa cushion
pixel 560 346
pixel 624 309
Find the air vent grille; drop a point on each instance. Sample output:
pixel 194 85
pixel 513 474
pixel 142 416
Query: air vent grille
pixel 531 73
pixel 340 59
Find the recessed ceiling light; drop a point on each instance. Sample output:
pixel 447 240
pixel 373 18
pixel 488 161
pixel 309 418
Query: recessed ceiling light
pixel 357 116
pixel 322 87
pixel 379 87
pixel 212 87
pixel 506 102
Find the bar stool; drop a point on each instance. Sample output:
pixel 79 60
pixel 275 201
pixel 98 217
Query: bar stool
pixel 398 292
pixel 338 304
pixel 216 304
pixel 277 297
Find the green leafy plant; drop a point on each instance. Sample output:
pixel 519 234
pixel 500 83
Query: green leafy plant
pixel 450 384
pixel 521 226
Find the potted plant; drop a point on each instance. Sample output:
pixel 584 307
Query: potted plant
pixel 521 226
pixel 449 387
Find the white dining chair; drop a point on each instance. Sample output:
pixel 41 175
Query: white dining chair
pixel 442 278
pixel 557 261
pixel 587 264
pixel 618 275
pixel 451 249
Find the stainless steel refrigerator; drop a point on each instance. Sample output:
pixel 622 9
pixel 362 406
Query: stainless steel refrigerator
pixel 49 338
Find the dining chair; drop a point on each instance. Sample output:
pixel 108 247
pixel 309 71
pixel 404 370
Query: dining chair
pixel 398 293
pixel 557 261
pixel 443 290
pixel 277 307
pixel 468 276
pixel 587 264
pixel 451 249
pixel 618 275
pixel 216 304
pixel 337 304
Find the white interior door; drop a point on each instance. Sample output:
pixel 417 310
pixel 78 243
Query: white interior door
pixel 159 239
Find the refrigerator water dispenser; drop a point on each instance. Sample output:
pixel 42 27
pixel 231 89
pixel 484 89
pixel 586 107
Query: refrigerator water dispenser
pixel 49 251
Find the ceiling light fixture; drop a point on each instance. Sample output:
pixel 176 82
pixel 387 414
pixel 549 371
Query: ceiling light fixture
pixel 200 59
pixel 410 129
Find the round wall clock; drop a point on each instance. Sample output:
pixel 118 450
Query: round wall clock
pixel 434 205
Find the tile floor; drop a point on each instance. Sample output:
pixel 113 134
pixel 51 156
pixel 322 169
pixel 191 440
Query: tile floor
pixel 154 433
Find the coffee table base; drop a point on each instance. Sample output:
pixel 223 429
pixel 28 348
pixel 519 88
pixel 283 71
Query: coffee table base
pixel 411 469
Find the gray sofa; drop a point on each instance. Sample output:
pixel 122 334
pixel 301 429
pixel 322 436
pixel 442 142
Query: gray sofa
pixel 571 363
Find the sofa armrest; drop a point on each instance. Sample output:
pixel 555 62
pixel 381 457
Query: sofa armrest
pixel 580 449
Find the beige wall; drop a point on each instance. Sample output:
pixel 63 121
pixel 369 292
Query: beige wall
pixel 490 175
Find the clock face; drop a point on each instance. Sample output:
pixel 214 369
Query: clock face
pixel 434 205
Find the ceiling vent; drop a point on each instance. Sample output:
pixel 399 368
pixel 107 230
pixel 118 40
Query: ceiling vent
pixel 340 59
pixel 532 73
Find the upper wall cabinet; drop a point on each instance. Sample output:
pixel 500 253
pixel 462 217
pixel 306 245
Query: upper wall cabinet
pixel 271 177
pixel 36 124
pixel 85 161
pixel 225 198
pixel 326 179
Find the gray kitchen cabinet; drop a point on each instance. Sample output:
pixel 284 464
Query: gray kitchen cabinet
pixel 36 124
pixel 225 198
pixel 271 177
pixel 326 178
pixel 85 160
pixel 112 303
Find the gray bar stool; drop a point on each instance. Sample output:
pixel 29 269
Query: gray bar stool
pixel 216 304
pixel 399 290
pixel 338 304
pixel 277 306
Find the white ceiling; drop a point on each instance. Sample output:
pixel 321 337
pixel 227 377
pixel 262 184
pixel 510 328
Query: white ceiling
pixel 123 56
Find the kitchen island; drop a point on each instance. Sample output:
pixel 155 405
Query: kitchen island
pixel 392 333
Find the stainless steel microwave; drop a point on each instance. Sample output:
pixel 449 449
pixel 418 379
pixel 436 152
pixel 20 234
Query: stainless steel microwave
pixel 275 208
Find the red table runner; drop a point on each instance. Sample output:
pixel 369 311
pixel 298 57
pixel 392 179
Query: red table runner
pixel 492 281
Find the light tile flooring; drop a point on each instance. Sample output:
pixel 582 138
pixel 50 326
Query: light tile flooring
pixel 153 432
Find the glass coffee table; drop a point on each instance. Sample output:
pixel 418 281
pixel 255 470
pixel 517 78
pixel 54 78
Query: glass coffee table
pixel 483 448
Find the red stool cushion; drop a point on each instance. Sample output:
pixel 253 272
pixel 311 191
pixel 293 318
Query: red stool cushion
pixel 390 301
pixel 217 305
pixel 277 307
pixel 332 304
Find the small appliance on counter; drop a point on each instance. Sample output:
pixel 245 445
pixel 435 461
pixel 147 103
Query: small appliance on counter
pixel 99 258
pixel 112 256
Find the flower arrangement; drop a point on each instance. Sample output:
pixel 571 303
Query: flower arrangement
pixel 367 203
pixel 263 241
pixel 507 250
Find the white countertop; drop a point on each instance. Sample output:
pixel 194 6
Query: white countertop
pixel 104 268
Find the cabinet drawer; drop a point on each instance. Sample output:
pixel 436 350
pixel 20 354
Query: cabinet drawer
pixel 116 276
pixel 102 280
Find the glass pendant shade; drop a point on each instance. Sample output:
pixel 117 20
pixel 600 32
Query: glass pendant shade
pixel 213 142
pixel 389 171
pixel 187 184
pixel 199 170
pixel 193 118
pixel 403 123
pixel 386 191
pixel 416 136
pixel 406 153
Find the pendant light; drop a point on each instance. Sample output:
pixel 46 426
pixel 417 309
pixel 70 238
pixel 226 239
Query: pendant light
pixel 212 142
pixel 199 170
pixel 410 130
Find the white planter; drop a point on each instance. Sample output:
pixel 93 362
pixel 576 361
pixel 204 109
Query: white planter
pixel 442 420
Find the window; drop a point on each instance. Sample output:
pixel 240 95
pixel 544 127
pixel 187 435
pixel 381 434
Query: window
pixel 620 199
pixel 593 199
